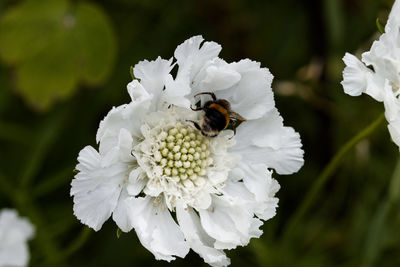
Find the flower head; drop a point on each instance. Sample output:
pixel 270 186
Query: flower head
pixel 14 235
pixel 156 173
pixel 378 72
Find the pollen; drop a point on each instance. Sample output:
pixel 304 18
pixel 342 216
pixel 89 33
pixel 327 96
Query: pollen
pixel 183 155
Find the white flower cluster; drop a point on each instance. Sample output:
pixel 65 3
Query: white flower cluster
pixel 14 235
pixel 179 190
pixel 378 72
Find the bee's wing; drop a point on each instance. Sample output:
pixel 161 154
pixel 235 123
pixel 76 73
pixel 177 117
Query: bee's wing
pixel 236 116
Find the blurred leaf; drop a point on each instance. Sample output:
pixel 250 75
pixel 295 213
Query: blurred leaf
pixel 375 235
pixel 95 42
pixel 26 28
pixel 54 45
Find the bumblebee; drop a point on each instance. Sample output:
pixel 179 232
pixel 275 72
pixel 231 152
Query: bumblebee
pixel 218 115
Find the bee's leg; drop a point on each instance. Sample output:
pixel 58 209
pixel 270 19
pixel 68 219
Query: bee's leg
pixel 195 125
pixel 196 109
pixel 207 93
pixel 233 123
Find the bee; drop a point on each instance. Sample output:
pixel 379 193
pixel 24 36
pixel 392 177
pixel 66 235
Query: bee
pixel 218 115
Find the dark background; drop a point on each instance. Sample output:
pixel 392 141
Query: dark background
pixel 64 64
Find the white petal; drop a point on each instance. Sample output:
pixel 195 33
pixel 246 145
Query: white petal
pixel 202 200
pixel 125 144
pixel 219 78
pixel 354 75
pixel 237 194
pixel 375 84
pixel 256 177
pixel 267 141
pixel 191 57
pixel 385 66
pixel 231 225
pixel 267 209
pixel 136 182
pixel 394 129
pixel 198 239
pixel 122 212
pixel 137 92
pixel 129 116
pixel 153 74
pixel 252 96
pixel 157 230
pixel 391 103
pixel 14 255
pixel 175 92
pixel 394 18
pixel 14 234
pixel 96 188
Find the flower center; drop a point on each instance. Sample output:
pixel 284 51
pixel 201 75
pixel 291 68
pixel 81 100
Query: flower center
pixel 183 155
pixel 179 163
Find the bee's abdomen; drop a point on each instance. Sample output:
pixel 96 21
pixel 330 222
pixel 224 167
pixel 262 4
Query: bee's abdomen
pixel 216 117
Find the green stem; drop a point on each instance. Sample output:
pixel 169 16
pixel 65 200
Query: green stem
pixel 77 243
pixel 325 174
pixel 377 230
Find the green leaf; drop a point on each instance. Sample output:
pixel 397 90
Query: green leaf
pixel 119 232
pixel 381 29
pixel 131 72
pixel 56 45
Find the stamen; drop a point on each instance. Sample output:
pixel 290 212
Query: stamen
pixel 184 156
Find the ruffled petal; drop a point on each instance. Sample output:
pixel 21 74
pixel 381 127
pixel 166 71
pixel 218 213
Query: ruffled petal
pixel 121 214
pixel 229 224
pixel 176 91
pixel 129 117
pixel 354 76
pixel 153 74
pixel 191 57
pixel 394 130
pixel 216 75
pixel 394 18
pixel 198 239
pixel 252 96
pixel 391 103
pixel 157 230
pixel 96 188
pixel 267 141
pixel 256 177
pixel 264 207
pixel 136 182
pixel 245 85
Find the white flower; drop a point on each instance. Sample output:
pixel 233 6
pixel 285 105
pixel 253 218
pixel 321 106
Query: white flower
pixel 156 173
pixel 14 235
pixel 378 72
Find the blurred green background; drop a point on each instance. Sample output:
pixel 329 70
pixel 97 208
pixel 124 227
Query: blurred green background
pixel 65 63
